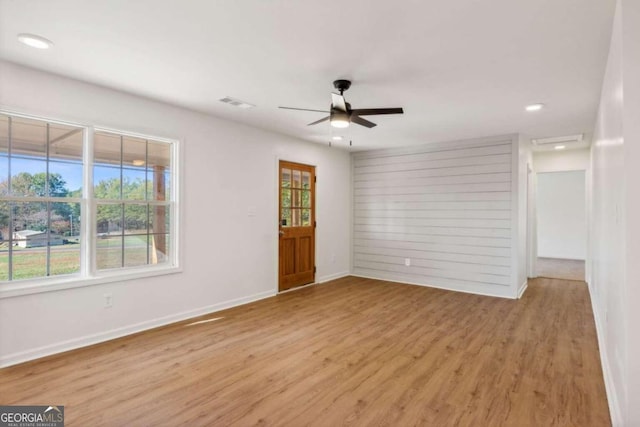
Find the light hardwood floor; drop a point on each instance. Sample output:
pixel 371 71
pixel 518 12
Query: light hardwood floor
pixel 353 351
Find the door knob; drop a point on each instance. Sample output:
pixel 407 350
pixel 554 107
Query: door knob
pixel 281 233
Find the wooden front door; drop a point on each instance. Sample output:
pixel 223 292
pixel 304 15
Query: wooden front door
pixel 297 225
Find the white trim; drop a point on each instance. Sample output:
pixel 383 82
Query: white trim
pixel 87 340
pixel 523 287
pixel 320 281
pixel 49 284
pixel 405 282
pixel 297 288
pixel 330 277
pixel 612 396
pixel 515 215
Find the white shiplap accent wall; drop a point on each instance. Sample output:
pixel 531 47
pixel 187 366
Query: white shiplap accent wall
pixel 448 207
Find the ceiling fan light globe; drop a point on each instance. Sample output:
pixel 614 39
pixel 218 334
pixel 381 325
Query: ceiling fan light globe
pixel 340 123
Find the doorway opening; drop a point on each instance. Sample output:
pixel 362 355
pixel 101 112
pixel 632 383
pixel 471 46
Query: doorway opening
pixel 561 224
pixel 297 225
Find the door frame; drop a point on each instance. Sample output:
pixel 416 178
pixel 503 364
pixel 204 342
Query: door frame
pixel 533 211
pixel 276 221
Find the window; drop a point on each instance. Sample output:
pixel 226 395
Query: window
pixel 132 185
pixel 53 224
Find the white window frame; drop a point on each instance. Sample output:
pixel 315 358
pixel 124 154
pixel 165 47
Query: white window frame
pixel 89 274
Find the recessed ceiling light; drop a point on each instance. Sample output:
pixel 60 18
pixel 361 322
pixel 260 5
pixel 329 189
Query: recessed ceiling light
pixel 33 40
pixel 138 162
pixel 337 138
pixel 559 147
pixel 534 107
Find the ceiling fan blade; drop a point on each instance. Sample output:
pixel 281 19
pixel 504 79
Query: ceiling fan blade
pixel 338 102
pixel 362 122
pixel 319 121
pixel 303 109
pixel 376 111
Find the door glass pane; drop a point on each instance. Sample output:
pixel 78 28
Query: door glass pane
pixel 108 252
pixel 296 179
pixel 295 218
pixel 286 178
pixel 306 180
pixel 306 217
pixel 306 198
pixel 286 197
pixel 109 220
pixel 135 250
pixel 296 199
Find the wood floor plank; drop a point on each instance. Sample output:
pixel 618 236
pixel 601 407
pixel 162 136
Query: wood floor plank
pixel 351 352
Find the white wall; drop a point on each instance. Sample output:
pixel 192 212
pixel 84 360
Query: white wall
pixel 562 220
pixel 631 71
pixel 227 168
pixel 451 208
pixel 615 209
pixel 561 160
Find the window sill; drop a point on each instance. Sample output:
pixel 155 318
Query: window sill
pixel 28 287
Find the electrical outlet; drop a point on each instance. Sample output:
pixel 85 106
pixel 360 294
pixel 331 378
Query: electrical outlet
pixel 333 258
pixel 407 262
pixel 108 300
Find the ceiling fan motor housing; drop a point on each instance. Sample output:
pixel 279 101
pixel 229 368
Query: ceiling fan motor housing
pixel 342 85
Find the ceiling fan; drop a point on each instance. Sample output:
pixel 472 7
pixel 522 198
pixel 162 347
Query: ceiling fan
pixel 341 114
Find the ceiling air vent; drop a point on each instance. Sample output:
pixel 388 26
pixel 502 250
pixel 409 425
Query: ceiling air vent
pixel 543 142
pixel 236 102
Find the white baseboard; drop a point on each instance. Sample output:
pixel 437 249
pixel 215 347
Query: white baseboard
pixel 612 395
pixel 486 294
pixel 330 277
pixel 523 288
pixel 72 344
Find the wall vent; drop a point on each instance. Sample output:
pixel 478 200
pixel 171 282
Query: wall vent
pixel 558 140
pixel 236 102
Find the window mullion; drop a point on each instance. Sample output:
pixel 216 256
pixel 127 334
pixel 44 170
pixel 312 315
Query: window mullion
pixel 88 208
pixel 46 194
pixel 10 204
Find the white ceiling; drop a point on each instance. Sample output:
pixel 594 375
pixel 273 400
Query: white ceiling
pixel 460 68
